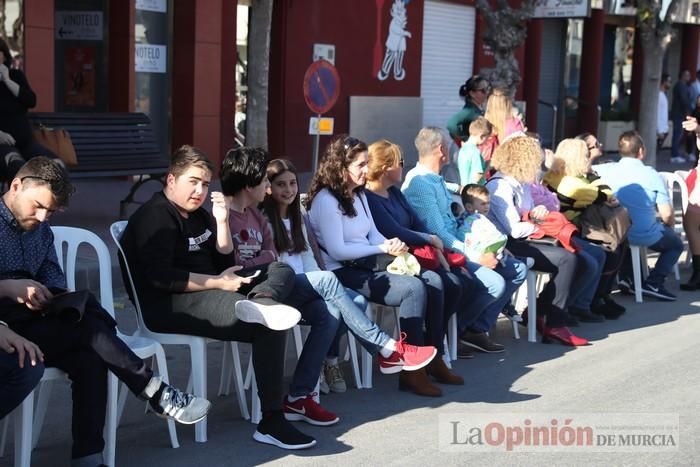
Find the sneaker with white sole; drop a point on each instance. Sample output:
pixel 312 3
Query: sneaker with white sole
pixel 322 384
pixel 276 430
pixel 334 378
pixel 406 357
pixel 308 410
pixel 626 285
pixel 269 313
pixel 658 291
pixel 180 406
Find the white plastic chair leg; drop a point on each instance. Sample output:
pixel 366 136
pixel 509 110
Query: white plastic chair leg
pixel 676 272
pixel 3 437
pixel 110 428
pixel 298 341
pixel 452 336
pixel 240 387
pixel 531 306
pixel 637 272
pixel 23 432
pixel 352 348
pixel 516 331
pixel 43 392
pixel 198 351
pixel 225 380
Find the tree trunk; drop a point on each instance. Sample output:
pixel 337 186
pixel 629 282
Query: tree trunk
pixel 649 103
pixel 258 72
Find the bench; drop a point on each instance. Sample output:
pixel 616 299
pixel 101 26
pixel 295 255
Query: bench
pixel 111 145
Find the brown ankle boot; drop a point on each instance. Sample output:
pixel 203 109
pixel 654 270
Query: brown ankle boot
pixel 418 382
pixel 438 370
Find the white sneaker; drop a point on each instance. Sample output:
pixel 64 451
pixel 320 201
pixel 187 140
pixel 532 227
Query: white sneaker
pixel 269 313
pixel 678 160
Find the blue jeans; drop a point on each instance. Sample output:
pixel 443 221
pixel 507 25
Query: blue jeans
pixel 590 262
pixel 495 288
pixel 371 337
pixel 15 382
pixel 322 301
pixel 406 292
pixel 669 247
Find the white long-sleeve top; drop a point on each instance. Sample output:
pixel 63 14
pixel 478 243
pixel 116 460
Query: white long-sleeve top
pixel 343 237
pixel 509 201
pixel 300 262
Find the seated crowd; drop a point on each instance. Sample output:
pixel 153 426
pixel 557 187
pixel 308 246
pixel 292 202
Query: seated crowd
pixel 264 259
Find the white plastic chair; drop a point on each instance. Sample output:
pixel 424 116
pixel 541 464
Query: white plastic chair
pixel 672 179
pixel 28 423
pixel 198 347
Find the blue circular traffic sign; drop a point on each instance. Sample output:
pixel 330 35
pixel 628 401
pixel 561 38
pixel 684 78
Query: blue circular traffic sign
pixel 321 86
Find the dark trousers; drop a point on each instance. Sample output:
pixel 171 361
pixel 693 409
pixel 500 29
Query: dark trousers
pixel 16 382
pixel 12 158
pixel 86 350
pixel 210 313
pixel 561 265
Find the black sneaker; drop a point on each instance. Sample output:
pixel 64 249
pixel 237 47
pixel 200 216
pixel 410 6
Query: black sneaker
pixel 612 304
pixel 658 291
pixel 276 430
pixel 626 285
pixel 179 406
pixel 585 316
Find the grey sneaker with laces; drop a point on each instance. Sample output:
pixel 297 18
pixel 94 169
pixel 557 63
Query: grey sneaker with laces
pixel 334 378
pixel 180 406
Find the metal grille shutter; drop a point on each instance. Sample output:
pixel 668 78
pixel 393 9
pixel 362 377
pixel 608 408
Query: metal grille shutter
pixel 551 75
pixel 448 58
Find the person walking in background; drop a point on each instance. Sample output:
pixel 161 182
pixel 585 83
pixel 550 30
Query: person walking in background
pixel 662 112
pixel 681 106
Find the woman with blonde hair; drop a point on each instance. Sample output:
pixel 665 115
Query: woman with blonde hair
pixel 503 117
pixel 577 188
pixel 517 162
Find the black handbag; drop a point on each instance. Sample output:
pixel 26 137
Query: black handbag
pixel 374 263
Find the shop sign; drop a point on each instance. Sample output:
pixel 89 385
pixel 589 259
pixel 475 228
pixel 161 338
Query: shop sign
pixel 160 6
pixel 150 58
pixel 562 9
pixel 78 25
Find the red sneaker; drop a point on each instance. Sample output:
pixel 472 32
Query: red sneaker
pixel 309 411
pixel 406 357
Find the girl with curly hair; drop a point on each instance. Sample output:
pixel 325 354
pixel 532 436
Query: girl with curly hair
pixel 345 230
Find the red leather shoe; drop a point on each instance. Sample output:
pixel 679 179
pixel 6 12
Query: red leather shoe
pixel 563 335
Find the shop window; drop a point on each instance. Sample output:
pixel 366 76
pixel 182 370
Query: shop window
pixel 81 44
pixel 621 87
pixel 153 64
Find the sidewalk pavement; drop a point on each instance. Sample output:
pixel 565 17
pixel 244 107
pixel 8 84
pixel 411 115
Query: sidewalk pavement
pixel 645 362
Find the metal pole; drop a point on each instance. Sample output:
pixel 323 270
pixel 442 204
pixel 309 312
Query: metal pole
pixel 317 137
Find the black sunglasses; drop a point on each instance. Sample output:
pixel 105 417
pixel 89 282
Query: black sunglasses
pixel 350 142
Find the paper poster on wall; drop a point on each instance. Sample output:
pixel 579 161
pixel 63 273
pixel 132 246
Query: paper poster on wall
pixel 79 76
pixel 160 6
pixel 79 25
pixel 562 9
pixel 150 58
